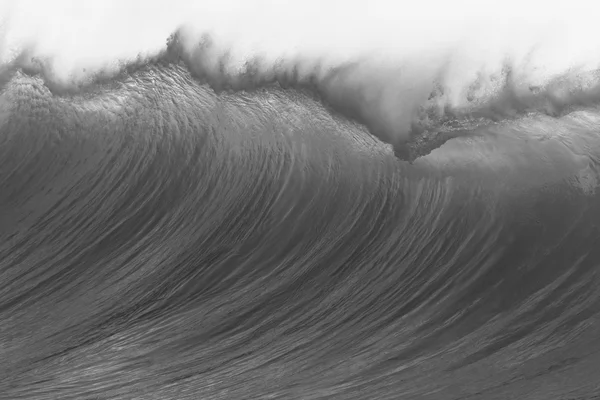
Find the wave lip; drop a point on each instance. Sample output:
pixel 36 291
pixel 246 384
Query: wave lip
pixel 414 120
pixel 414 110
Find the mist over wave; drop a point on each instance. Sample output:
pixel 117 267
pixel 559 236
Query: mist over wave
pixel 414 80
pixel 212 200
pixel 414 120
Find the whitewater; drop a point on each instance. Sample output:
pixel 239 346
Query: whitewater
pixel 275 200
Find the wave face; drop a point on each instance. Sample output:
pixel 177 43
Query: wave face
pixel 161 240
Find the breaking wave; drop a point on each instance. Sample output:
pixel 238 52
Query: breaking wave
pixel 185 226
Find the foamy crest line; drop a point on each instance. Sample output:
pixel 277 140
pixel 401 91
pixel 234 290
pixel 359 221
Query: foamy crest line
pixel 402 71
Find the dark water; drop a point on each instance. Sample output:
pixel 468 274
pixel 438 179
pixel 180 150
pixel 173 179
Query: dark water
pixel 162 241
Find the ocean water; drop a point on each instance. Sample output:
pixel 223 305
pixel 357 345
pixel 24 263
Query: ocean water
pixel 164 238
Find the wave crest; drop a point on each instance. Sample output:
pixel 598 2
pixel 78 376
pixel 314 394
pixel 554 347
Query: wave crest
pixel 416 110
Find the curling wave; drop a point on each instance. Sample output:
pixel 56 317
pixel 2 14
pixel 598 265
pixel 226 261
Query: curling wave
pixel 170 231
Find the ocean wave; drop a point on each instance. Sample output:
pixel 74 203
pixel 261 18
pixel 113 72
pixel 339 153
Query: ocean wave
pixel 174 228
